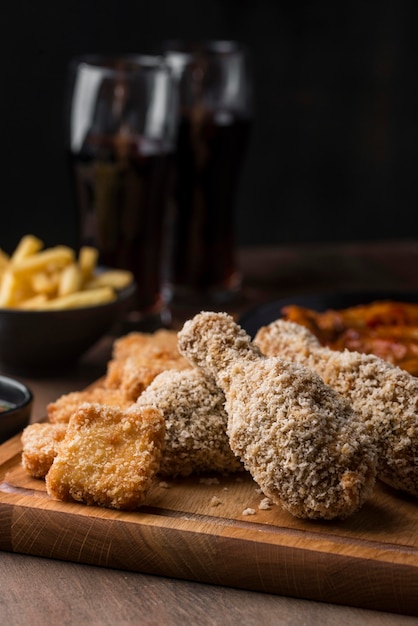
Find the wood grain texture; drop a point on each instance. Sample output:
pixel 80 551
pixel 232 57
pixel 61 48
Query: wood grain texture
pixel 369 560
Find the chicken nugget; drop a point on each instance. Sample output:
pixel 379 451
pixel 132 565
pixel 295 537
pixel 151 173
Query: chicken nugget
pixel 195 420
pixel 139 357
pixel 299 439
pixel 61 410
pixel 108 457
pixel 137 342
pixel 40 443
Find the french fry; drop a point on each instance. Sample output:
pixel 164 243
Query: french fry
pixel 34 278
pixel 28 245
pixel 7 288
pixel 87 260
pixel 13 290
pixel 70 280
pixel 33 303
pixel 4 259
pixel 59 256
pixel 118 279
pixel 4 263
pixel 89 297
pixel 45 283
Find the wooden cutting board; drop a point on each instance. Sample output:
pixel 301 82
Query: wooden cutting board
pixel 196 529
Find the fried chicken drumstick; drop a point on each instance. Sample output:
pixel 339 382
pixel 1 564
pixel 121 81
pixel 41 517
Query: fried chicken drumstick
pixel 383 395
pixel 296 436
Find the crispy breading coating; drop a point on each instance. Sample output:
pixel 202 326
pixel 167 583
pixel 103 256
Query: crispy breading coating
pixel 40 444
pixel 139 357
pixel 108 457
pixel 383 395
pixel 298 438
pixel 61 410
pixel 132 343
pixel 195 420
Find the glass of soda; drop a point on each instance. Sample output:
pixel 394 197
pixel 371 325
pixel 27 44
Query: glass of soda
pixel 215 112
pixel 121 128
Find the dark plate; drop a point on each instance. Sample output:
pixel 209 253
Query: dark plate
pixel 262 315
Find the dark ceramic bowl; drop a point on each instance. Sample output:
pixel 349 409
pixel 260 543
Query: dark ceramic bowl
pixel 16 405
pixel 44 342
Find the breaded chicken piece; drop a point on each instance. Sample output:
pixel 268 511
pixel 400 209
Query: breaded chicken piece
pixel 297 437
pixel 61 410
pixel 139 357
pixel 195 421
pixel 383 395
pixel 108 457
pixel 40 444
pixel 40 441
pixel 129 345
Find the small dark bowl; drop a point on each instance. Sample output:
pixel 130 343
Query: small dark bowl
pixel 44 342
pixel 14 419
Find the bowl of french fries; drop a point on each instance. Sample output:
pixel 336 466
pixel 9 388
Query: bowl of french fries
pixel 55 304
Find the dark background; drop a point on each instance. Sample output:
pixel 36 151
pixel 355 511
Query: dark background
pixel 333 153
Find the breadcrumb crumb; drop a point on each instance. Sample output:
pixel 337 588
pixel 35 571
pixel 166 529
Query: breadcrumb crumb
pixel 249 511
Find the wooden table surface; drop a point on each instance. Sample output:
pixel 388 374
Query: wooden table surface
pixel 41 591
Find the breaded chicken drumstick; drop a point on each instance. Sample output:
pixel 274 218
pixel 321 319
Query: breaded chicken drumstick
pixel 383 395
pixel 297 437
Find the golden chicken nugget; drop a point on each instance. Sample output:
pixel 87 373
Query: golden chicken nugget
pixel 108 457
pixel 61 410
pixel 40 444
pixel 139 357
